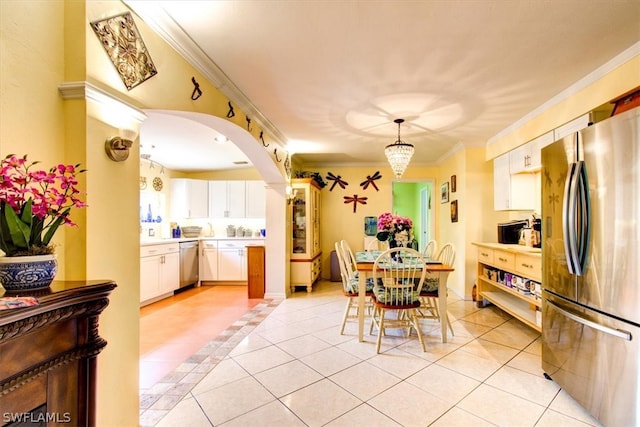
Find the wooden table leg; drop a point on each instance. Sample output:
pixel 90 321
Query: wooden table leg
pixel 442 304
pixel 362 291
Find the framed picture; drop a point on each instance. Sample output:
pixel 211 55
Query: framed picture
pixel 453 183
pixel 444 193
pixel 454 211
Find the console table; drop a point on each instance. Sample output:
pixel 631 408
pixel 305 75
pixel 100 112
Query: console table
pixel 48 354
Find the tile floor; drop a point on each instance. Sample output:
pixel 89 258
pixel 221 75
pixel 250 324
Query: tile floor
pixel 284 363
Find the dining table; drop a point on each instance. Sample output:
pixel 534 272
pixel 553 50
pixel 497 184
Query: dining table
pixel 364 264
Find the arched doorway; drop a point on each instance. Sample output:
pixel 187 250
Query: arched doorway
pixel 275 182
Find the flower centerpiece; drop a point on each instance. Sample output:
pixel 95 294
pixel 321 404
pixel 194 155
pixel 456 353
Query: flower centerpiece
pixel 33 205
pixel 395 229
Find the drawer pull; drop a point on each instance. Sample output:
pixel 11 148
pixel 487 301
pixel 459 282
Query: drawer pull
pixel 502 259
pixel 527 265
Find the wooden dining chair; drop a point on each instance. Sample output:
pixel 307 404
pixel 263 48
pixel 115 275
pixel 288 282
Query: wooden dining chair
pixel 350 284
pixel 396 293
pixel 429 293
pixel 430 249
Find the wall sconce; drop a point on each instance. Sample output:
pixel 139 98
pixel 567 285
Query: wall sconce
pixel 117 147
pixel 291 194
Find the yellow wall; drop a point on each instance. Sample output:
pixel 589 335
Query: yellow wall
pixel 610 86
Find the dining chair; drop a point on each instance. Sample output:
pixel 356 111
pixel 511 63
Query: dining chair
pixel 430 249
pixel 350 284
pixel 429 293
pixel 396 293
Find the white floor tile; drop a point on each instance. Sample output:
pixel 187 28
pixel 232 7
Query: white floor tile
pixel 470 365
pixel 446 384
pixel 565 404
pixel 513 334
pixel 489 350
pixel 187 413
pixel 320 402
pixel 527 362
pixel 231 400
pixel 364 380
pixel 409 405
pixel 304 345
pixel 287 378
pixel 271 414
pixel 456 417
pixel 552 418
pixel 263 359
pixel 535 388
pixel 363 414
pixel 398 363
pixel 501 408
pixel 329 361
pixel 225 372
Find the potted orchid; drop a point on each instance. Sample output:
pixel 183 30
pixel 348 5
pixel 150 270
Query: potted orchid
pixel 33 205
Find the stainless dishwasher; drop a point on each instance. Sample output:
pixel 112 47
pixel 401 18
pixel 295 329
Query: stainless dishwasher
pixel 188 263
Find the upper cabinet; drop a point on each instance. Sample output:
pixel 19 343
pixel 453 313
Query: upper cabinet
pixel 236 199
pixel 256 199
pixel 526 158
pixel 512 191
pixel 572 126
pixel 189 198
pixel 227 199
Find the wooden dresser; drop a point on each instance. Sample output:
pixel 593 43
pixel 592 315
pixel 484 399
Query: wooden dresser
pixel 48 355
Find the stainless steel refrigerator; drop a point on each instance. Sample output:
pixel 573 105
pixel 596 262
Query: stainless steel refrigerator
pixel 591 259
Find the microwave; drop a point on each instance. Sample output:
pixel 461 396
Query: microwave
pixel 509 232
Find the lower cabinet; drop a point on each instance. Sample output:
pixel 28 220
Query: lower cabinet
pixel 511 280
pixel 305 272
pixel 225 260
pixel 208 260
pixel 232 260
pixel 159 271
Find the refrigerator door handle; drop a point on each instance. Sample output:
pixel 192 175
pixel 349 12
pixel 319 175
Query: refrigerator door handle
pixel 569 231
pixel 583 209
pixel 615 332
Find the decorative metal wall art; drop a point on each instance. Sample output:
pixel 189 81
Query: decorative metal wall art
pixel 126 49
pixel 337 179
pixel 355 200
pixel 371 181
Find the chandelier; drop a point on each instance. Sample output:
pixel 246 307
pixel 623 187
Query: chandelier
pixel 399 153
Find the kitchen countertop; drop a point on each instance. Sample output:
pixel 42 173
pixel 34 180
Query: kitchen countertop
pixel 511 248
pixel 162 241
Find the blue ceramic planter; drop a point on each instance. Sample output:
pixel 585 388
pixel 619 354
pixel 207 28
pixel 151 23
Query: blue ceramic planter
pixel 28 272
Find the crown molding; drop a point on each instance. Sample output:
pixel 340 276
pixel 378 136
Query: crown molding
pixel 158 19
pixel 85 90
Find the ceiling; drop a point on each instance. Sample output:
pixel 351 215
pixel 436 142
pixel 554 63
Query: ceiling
pixel 330 77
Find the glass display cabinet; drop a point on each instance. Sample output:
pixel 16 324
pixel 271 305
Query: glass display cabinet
pixel 305 234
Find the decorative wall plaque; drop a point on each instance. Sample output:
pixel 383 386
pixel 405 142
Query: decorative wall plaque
pixel 122 42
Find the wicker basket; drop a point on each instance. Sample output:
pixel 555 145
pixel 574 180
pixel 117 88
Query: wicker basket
pixel 191 231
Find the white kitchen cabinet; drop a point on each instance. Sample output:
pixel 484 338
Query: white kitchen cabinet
pixel 208 260
pixel 256 199
pixel 513 191
pixel 159 271
pixel 527 158
pixel 227 199
pixel 189 198
pixel 232 260
pixel 574 125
